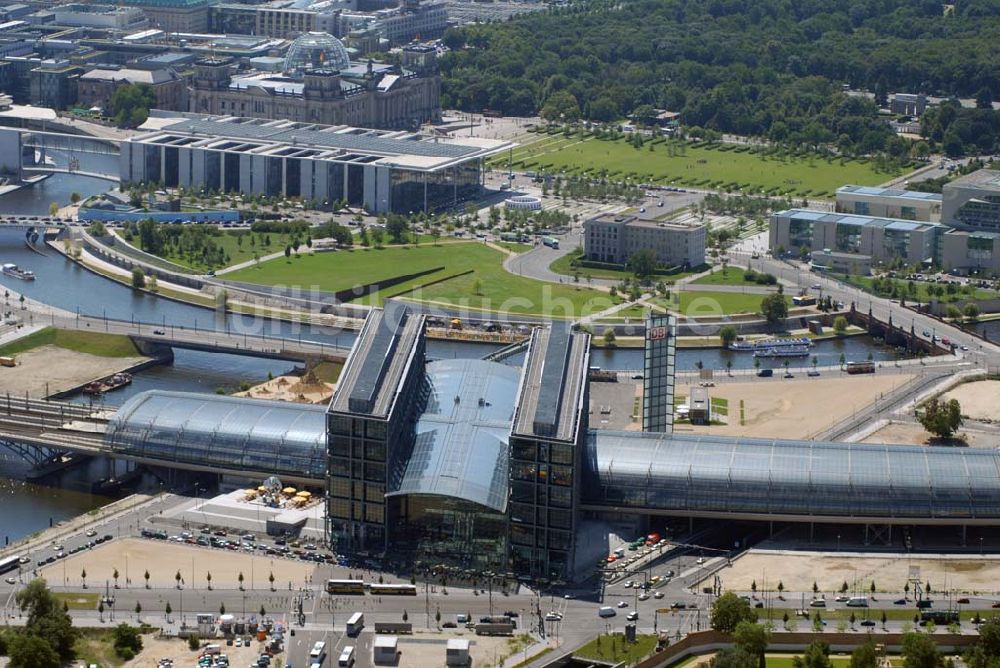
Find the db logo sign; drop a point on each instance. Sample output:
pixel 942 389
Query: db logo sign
pixel 656 333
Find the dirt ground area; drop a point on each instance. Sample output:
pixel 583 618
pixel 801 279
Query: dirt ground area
pixel 132 557
pixel 301 390
pixel 54 369
pixel 980 399
pixel 798 571
pixel 912 433
pixel 155 648
pixel 484 650
pixel 801 408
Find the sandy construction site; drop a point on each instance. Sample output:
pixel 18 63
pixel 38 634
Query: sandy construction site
pixel 798 570
pixel 53 369
pixel 797 409
pixel 132 557
pixel 980 399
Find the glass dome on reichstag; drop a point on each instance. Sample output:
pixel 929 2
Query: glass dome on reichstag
pixel 315 50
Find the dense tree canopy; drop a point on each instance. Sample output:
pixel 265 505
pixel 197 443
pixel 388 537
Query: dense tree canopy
pixel 775 309
pixel 729 610
pixel 47 621
pixel 941 418
pixel 130 104
pixel 865 656
pixel 919 651
pixel 753 67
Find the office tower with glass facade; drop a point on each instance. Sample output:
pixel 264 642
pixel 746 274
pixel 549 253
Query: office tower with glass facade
pixel 369 426
pixel 872 240
pixel 972 202
pixel 546 439
pixel 658 374
pixel 889 203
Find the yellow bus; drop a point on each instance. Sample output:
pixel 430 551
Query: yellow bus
pixel 345 587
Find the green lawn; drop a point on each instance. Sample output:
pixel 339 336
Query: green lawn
pixel 488 287
pixel 564 266
pixel 731 276
pixel 96 646
pixel 614 649
pixel 94 343
pixel 78 601
pixel 833 615
pixel 789 661
pixel 700 166
pixel 633 313
pixel 514 247
pixel 328 372
pixel 533 149
pixel 229 240
pixel 709 303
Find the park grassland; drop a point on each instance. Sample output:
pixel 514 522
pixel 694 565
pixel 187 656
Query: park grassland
pixel 701 303
pixel 694 165
pixel 92 343
pixel 467 275
pixel 731 276
pixel 614 648
pixel 227 241
pixel 788 661
pixel 96 646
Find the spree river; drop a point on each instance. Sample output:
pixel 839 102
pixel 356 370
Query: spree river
pixel 66 285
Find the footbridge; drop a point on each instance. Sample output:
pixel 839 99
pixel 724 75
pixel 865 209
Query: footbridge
pixel 154 339
pixel 42 141
pixel 29 150
pixel 49 169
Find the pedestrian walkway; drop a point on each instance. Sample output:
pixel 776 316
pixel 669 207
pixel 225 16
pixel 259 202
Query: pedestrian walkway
pixel 600 315
pixel 530 651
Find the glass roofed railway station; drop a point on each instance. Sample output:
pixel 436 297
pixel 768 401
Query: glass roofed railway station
pixel 485 465
pixel 227 435
pixel 380 170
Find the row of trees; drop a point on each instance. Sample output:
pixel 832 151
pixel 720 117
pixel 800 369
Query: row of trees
pixel 732 614
pixel 769 68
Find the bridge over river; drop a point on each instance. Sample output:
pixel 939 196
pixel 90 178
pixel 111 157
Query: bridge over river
pixel 153 339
